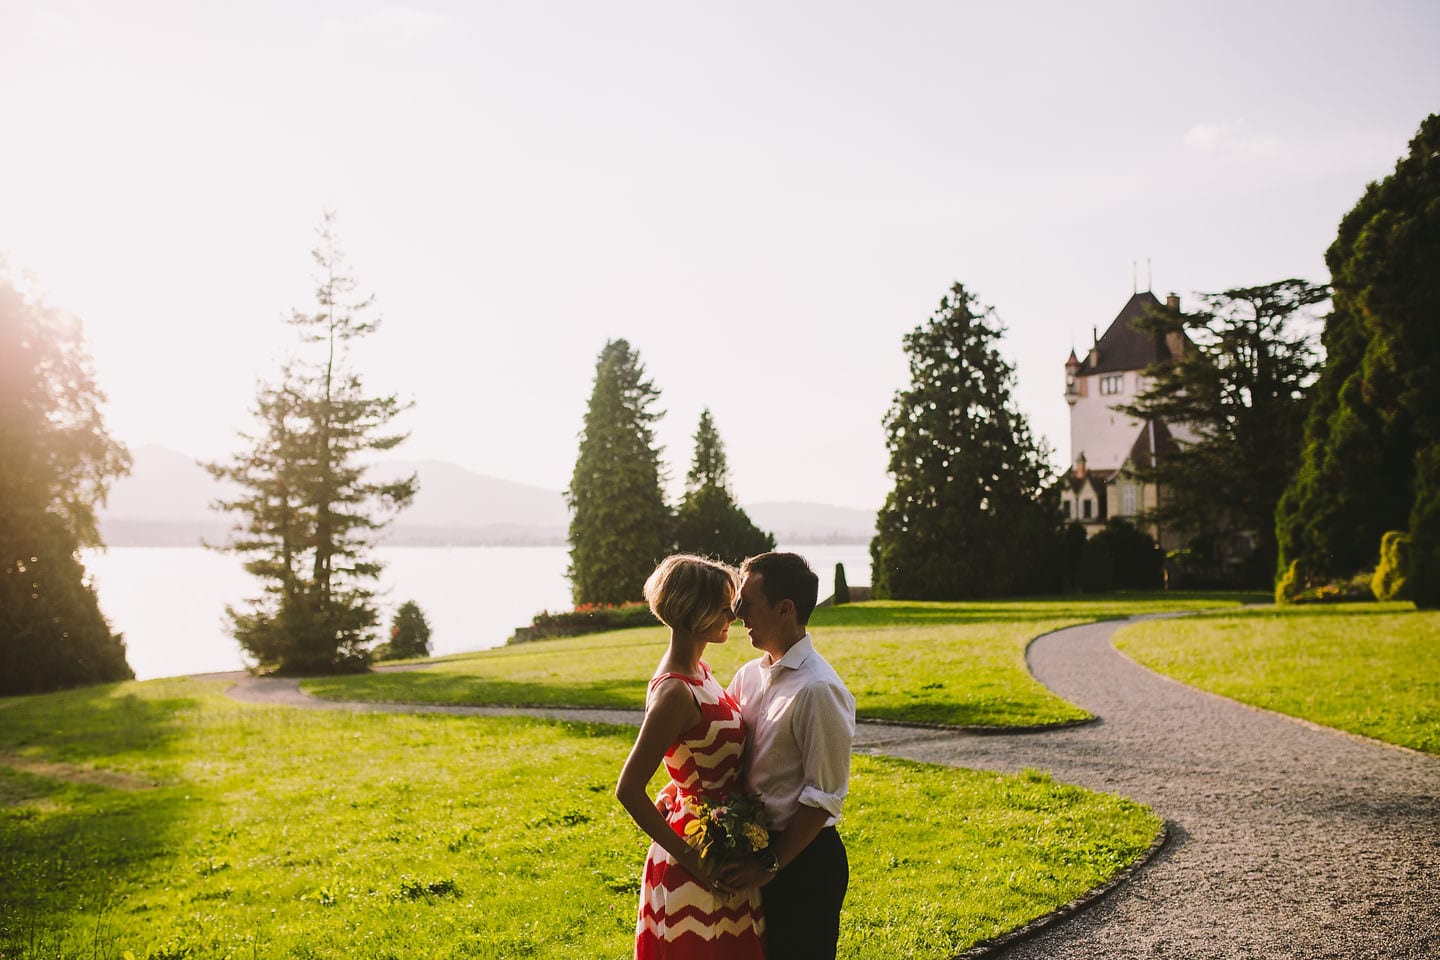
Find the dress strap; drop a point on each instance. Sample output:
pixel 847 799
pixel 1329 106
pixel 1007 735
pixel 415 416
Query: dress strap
pixel 690 680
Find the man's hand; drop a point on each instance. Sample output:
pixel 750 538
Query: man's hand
pixel 745 874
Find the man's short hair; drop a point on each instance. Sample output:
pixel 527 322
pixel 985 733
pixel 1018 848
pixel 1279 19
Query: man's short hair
pixel 786 577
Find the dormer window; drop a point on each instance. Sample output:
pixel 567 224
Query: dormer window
pixel 1112 384
pixel 1087 507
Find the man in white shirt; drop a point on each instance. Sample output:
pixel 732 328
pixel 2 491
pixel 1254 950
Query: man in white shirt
pixel 799 725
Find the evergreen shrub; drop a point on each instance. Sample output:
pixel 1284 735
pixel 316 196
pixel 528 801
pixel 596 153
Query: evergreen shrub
pixel 1290 584
pixel 409 634
pixel 842 589
pixel 1391 580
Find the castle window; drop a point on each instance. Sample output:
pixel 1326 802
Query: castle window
pixel 1113 384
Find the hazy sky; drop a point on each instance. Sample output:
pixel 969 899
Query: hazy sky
pixel 762 197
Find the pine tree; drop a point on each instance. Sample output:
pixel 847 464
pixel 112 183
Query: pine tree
pixel 620 526
pixel 409 633
pixel 56 464
pixel 1373 435
pixel 310 516
pixel 1242 392
pixel 709 521
pixel 970 514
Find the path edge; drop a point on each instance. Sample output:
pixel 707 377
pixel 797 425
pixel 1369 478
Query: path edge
pixel 997 945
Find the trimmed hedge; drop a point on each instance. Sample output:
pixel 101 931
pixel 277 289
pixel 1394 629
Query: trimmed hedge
pixel 586 618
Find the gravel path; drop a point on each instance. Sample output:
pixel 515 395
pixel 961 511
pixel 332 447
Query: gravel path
pixel 1286 839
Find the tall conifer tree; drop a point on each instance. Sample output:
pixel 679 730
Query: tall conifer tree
pixel 56 463
pixel 970 515
pixel 310 515
pixel 620 526
pixel 709 521
pixel 1372 440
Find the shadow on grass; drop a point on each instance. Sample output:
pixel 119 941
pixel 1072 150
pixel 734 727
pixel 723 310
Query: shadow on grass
pixel 90 724
pixel 68 848
pixel 60 867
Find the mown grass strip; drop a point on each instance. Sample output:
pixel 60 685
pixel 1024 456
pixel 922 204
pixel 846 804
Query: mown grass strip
pixel 314 835
pixel 1371 669
pixel 961 664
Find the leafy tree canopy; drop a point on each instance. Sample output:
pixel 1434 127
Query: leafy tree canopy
pixel 1241 389
pixel 1375 423
pixel 56 463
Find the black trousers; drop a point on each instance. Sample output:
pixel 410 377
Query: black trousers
pixel 802 903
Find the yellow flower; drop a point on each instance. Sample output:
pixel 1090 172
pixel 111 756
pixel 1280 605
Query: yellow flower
pixel 758 836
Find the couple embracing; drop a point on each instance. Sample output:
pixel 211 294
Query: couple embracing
pixel 780 732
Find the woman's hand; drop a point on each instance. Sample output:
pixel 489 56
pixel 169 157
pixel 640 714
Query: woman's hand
pixel 711 878
pixel 665 800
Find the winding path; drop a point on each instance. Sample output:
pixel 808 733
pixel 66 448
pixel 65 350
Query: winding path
pixel 1286 839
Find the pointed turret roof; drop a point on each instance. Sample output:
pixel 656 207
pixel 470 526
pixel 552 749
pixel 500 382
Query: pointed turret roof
pixel 1123 347
pixel 1153 441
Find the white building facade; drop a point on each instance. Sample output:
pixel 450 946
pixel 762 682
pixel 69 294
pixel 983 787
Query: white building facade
pixel 1106 444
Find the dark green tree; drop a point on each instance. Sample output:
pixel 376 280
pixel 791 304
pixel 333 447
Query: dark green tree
pixel 56 463
pixel 409 634
pixel 709 521
pixel 1241 390
pixel 842 588
pixel 309 515
pixel 1375 422
pixel 971 513
pixel 620 526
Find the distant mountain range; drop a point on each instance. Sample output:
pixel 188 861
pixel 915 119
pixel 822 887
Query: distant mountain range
pixel 166 502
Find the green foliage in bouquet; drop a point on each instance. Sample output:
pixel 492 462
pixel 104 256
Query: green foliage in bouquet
pixel 726 829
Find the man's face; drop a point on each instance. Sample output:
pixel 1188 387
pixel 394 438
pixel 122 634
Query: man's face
pixel 761 620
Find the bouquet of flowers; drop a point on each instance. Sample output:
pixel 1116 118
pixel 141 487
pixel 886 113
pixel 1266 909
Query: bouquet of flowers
pixel 732 827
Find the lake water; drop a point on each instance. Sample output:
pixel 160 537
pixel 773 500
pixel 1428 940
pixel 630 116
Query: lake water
pixel 169 602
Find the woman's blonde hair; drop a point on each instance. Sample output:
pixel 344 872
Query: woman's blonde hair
pixel 691 594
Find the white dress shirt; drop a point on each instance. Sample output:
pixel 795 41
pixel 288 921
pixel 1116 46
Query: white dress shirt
pixel 799 727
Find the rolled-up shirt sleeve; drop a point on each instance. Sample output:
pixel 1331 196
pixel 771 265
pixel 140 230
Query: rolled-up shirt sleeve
pixel 823 723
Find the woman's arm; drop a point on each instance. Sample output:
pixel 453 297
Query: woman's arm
pixel 671 711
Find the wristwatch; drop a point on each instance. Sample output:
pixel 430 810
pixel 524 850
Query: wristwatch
pixel 768 860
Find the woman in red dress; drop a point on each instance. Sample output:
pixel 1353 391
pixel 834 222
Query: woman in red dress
pixel 686 912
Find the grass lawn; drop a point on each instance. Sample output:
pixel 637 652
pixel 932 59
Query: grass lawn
pixel 1370 668
pixel 952 663
pixel 246 831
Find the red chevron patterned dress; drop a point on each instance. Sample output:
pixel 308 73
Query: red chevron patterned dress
pixel 679 919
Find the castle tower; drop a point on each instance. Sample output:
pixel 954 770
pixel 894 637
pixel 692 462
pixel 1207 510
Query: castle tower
pixel 1106 444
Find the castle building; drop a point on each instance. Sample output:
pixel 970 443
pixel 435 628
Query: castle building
pixel 1106 445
